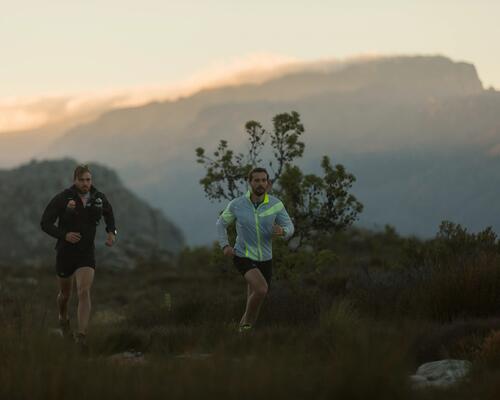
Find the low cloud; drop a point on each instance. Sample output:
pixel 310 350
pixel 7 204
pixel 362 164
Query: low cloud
pixel 66 110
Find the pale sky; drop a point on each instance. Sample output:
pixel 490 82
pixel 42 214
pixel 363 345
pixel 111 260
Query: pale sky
pixel 56 47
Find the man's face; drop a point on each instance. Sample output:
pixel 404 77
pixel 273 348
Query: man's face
pixel 259 183
pixel 83 182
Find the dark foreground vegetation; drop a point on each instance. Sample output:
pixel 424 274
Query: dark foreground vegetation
pixel 349 318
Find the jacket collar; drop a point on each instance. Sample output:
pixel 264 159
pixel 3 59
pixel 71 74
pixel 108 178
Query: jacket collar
pixel 92 190
pixel 266 197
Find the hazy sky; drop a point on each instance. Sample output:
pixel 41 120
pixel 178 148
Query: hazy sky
pixel 64 46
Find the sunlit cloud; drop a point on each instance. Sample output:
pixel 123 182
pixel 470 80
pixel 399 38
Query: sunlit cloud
pixel 21 114
pixel 16 118
pixel 254 68
pixel 66 110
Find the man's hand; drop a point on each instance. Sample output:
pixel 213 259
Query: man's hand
pixel 278 230
pixel 71 204
pixel 110 240
pixel 228 251
pixel 73 237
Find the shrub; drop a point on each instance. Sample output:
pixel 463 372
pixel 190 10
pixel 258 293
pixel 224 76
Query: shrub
pixel 490 351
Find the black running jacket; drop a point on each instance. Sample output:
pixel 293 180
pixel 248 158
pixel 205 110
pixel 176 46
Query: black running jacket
pixel 83 220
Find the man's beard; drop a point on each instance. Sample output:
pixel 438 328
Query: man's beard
pixel 259 191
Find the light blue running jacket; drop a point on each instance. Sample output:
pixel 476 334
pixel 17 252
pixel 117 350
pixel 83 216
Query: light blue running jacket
pixel 254 226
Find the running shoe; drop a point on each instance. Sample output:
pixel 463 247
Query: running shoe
pixel 65 328
pixel 81 343
pixel 245 328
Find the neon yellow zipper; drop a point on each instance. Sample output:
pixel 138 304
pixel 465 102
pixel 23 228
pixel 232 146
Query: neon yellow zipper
pixel 257 227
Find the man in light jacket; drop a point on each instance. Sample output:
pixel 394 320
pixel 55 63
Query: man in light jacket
pixel 259 217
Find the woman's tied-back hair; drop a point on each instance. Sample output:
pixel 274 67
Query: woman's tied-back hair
pixel 80 170
pixel 256 170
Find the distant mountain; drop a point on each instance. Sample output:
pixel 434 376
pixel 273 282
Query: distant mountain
pixel 365 89
pixel 144 233
pixel 419 119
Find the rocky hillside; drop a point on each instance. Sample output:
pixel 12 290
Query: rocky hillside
pixel 144 232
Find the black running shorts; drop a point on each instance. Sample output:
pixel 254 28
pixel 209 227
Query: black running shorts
pixel 67 261
pixel 243 265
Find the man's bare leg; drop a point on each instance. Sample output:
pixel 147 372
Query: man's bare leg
pixel 65 286
pixel 256 293
pixel 244 317
pixel 84 277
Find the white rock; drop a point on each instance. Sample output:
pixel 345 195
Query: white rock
pixel 440 373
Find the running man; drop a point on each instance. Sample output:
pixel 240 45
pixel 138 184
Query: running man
pixel 259 217
pixel 78 211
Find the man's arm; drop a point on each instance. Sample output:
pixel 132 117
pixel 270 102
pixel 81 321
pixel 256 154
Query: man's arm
pixel 108 215
pixel 50 216
pixel 284 220
pixel 225 219
pixel 109 219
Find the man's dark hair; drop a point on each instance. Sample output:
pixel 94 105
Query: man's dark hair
pixel 256 170
pixel 80 170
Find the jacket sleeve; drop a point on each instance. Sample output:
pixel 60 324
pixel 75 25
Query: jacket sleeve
pixel 284 220
pixel 50 216
pixel 107 213
pixel 225 219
